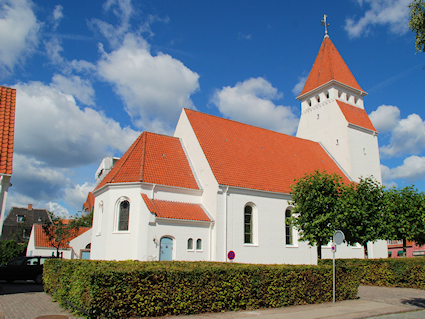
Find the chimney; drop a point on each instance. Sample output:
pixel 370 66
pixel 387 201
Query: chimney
pixel 29 206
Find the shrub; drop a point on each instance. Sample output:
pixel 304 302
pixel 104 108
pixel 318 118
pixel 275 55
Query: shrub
pixel 133 289
pixel 394 272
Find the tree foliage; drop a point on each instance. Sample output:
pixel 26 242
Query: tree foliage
pixel 10 249
pixel 405 215
pixel 316 210
pixel 59 231
pixel 417 23
pixel 362 210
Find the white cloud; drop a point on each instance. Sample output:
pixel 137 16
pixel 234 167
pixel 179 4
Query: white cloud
pixel 57 16
pixel 58 210
pixel 53 50
pixel 391 13
pixel 154 88
pixel 299 86
pixel 76 196
pixel 413 169
pixel 51 128
pixel 18 32
pixel 407 137
pixel 34 179
pixel 385 118
pixel 250 102
pixel 74 85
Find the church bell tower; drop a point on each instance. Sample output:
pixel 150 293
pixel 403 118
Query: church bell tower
pixel 333 114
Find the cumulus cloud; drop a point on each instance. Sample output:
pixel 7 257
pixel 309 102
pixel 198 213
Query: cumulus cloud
pixel 76 195
pixel 250 102
pixel 391 13
pixel 413 169
pixel 58 210
pixel 57 16
pixel 53 129
pixel 81 89
pixel 18 32
pixel 385 118
pixel 38 180
pixel 299 86
pixel 407 137
pixel 153 88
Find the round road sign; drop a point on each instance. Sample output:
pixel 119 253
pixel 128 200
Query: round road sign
pixel 231 255
pixel 338 237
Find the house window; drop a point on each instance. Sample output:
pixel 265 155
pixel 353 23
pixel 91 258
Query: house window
pixel 248 225
pixel 199 244
pixel 288 229
pixel 190 244
pixel 20 218
pixel 124 214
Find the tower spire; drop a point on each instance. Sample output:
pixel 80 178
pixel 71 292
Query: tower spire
pixel 325 24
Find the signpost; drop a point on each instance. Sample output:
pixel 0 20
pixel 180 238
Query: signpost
pixel 337 239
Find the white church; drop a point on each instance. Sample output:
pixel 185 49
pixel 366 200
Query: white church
pixel 219 190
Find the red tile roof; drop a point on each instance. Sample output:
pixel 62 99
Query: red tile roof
pixel 246 156
pixel 175 210
pixel 156 159
pixel 89 204
pixel 41 239
pixel 355 115
pixel 7 128
pixel 328 66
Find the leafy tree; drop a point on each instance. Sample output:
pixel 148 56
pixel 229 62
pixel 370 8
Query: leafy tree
pixel 405 215
pixel 362 209
pixel 10 249
pixel 417 23
pixel 60 231
pixel 315 198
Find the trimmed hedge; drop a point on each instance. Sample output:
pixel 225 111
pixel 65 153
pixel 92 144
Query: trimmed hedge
pixel 390 272
pixel 125 289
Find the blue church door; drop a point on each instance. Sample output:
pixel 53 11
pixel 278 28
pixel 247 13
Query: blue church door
pixel 166 252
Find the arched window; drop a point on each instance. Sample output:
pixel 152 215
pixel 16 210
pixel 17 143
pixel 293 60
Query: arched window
pixel 199 244
pixel 123 216
pixel 190 244
pixel 289 240
pixel 248 221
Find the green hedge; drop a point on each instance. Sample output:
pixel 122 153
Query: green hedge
pixel 132 289
pixel 390 272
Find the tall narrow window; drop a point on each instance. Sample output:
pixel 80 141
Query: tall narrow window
pixel 288 229
pixel 123 215
pixel 190 244
pixel 199 244
pixel 248 225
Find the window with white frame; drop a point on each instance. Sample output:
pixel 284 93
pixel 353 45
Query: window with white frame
pixel 289 236
pixel 248 223
pixel 190 244
pixel 122 213
pixel 199 244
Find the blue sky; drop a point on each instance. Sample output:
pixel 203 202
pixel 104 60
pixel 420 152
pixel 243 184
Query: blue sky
pixel 91 75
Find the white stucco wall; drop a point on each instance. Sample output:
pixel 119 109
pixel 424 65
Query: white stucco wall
pixel 80 242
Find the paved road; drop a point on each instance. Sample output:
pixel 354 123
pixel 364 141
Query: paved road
pixel 24 300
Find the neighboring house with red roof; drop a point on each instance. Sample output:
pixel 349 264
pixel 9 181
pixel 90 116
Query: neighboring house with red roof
pixel 7 129
pixel 76 247
pixel 220 186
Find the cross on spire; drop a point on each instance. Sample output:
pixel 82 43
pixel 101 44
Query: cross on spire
pixel 325 24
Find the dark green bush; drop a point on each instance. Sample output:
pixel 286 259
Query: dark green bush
pixel 132 289
pixel 394 272
pixel 10 249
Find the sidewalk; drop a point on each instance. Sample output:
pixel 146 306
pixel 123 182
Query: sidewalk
pixel 373 301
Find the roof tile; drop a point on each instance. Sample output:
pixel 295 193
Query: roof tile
pixel 175 210
pixel 356 115
pixel 246 156
pixel 41 239
pixel 328 66
pixel 7 123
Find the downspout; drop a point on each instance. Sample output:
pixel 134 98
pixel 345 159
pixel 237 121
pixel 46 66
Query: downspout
pixel 225 223
pixel 153 191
